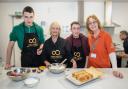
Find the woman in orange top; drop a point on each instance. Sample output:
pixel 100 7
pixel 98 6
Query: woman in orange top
pixel 102 51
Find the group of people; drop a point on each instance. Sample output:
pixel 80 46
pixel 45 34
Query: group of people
pixel 96 50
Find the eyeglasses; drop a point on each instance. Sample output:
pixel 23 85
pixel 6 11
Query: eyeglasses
pixel 91 23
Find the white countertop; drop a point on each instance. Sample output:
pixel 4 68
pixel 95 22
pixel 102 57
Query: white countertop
pixel 58 81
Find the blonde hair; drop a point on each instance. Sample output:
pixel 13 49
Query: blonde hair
pixel 56 24
pixel 97 20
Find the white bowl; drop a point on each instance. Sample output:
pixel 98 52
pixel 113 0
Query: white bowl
pixel 31 81
pixel 57 68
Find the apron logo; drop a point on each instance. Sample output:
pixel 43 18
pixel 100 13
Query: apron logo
pixel 32 41
pixel 56 53
pixel 77 56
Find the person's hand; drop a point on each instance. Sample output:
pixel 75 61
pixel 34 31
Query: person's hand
pixel 117 74
pixel 8 66
pixel 74 63
pixel 39 51
pixel 123 54
pixel 85 66
pixel 47 63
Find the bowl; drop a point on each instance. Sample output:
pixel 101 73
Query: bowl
pixel 18 74
pixel 31 81
pixel 57 68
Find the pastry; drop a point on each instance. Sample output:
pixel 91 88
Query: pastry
pixel 82 76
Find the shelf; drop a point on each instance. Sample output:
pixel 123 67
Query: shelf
pixel 16 16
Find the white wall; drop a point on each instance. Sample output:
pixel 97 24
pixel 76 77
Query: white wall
pixel 63 12
pixel 96 8
pixel 120 16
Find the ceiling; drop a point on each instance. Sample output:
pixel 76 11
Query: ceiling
pixel 58 0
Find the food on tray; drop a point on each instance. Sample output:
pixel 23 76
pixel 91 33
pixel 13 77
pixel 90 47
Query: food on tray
pixel 95 72
pixel 82 75
pixel 85 75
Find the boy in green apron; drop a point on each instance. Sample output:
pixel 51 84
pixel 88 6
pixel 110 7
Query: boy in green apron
pixel 30 39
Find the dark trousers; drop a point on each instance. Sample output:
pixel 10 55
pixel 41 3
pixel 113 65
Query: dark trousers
pixel 127 64
pixel 119 61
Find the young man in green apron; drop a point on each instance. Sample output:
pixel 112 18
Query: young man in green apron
pixel 30 39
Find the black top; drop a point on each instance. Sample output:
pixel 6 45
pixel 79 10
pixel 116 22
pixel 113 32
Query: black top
pixel 56 52
pixel 125 45
pixel 80 49
pixel 77 42
pixel 29 57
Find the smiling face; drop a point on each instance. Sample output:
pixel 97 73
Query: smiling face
pixel 55 29
pixel 28 18
pixel 75 29
pixel 93 25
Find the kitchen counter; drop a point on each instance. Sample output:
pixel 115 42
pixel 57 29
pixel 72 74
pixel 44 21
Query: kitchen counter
pixel 58 81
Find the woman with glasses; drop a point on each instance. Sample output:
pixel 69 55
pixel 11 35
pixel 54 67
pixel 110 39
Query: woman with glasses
pixel 102 50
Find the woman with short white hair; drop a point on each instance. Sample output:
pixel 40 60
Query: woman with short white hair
pixel 55 49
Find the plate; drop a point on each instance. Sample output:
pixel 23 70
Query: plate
pixel 96 75
pixel 95 72
pixel 77 82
